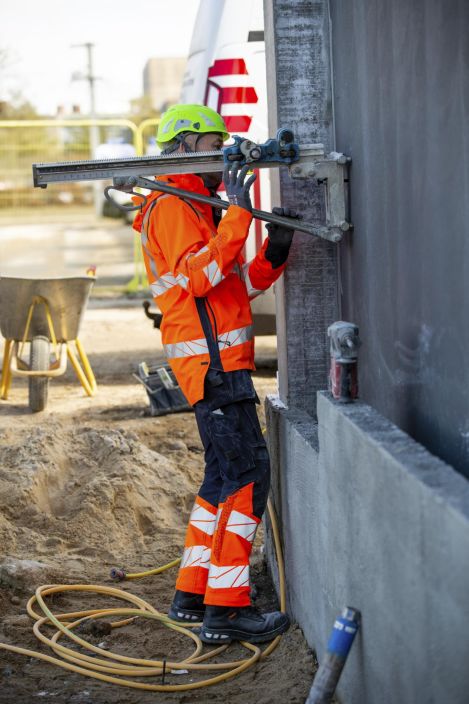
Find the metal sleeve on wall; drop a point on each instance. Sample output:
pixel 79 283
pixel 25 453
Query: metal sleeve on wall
pixel 299 95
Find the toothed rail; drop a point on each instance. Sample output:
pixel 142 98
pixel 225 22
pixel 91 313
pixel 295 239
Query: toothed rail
pixel 303 162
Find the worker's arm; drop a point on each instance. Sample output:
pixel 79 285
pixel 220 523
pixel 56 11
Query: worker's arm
pixel 258 273
pixel 198 266
pixel 269 263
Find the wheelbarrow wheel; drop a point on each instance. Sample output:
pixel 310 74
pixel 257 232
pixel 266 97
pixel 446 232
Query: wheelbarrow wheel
pixel 39 360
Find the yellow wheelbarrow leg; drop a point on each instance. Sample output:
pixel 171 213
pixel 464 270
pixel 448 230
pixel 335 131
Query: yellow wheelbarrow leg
pixel 6 373
pixel 79 371
pixel 86 364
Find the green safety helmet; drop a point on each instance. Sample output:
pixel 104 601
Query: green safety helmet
pixel 189 118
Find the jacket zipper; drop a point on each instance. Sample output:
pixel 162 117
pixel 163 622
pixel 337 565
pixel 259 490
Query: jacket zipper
pixel 203 305
pixel 212 342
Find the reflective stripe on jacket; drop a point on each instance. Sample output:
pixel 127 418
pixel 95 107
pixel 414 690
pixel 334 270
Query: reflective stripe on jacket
pixel 187 257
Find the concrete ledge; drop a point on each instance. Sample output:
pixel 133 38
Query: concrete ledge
pixel 372 520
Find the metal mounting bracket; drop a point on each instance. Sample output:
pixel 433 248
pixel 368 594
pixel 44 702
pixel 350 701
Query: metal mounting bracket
pixel 331 170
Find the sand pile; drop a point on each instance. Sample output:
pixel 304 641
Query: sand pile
pixel 83 494
pixel 94 483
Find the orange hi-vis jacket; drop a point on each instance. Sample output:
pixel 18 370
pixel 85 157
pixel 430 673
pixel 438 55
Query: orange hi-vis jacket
pixel 187 257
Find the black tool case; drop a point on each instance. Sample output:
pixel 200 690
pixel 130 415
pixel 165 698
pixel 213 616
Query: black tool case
pixel 163 391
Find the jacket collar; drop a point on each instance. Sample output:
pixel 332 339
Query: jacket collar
pixel 187 182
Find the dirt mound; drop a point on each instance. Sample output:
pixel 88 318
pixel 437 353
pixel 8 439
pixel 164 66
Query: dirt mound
pixel 73 494
pixel 92 483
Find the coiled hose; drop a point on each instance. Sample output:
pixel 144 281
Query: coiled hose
pixel 115 668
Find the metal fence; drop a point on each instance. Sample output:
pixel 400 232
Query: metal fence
pixel 25 142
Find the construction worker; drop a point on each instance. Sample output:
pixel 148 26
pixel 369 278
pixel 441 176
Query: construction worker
pixel 203 288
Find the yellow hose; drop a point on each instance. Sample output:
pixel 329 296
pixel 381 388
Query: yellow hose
pixel 148 573
pixel 115 668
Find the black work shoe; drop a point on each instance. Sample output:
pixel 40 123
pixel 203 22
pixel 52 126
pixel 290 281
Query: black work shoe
pixel 225 623
pixel 187 607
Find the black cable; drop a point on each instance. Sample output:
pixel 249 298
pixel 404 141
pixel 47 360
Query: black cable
pixel 214 319
pixel 216 334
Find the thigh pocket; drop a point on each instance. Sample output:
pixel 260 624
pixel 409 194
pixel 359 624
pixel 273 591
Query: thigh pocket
pixel 260 452
pixel 235 454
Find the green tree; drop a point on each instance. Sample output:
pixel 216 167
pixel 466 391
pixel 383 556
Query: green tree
pixel 13 105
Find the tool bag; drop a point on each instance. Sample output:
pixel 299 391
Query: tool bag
pixel 163 391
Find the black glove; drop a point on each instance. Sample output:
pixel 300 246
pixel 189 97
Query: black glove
pixel 280 238
pixel 236 190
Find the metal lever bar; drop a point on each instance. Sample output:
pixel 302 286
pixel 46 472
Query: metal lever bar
pixel 126 185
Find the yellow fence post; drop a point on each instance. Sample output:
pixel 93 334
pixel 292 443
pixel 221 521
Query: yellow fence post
pixel 139 280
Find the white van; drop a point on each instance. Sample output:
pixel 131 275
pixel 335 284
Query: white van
pixel 226 71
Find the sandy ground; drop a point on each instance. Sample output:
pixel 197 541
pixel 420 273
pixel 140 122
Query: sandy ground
pixel 92 483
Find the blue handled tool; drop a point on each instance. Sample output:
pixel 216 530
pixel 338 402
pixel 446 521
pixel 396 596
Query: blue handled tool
pixel 327 677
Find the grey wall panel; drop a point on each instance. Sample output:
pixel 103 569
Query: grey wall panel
pixel 401 83
pixel 299 94
pixel 370 519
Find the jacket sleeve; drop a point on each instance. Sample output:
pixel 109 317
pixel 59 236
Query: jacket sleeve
pixel 198 266
pixel 259 274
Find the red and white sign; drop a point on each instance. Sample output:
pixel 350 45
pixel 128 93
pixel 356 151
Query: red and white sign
pixel 236 104
pixel 226 98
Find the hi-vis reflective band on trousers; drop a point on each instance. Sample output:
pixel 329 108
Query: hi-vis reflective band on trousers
pixel 196 556
pixel 195 562
pixel 203 519
pixel 228 576
pixel 190 348
pixel 242 525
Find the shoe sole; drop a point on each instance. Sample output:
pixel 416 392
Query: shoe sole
pixel 185 616
pixel 212 635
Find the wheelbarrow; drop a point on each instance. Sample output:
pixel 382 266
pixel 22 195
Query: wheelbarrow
pixel 44 314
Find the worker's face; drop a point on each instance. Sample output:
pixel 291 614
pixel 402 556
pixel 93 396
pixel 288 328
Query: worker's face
pixel 207 143
pixel 202 143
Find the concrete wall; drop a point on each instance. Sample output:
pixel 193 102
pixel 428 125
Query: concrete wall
pixel 299 97
pixel 370 519
pixel 401 99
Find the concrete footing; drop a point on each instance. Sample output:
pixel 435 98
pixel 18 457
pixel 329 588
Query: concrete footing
pixel 372 520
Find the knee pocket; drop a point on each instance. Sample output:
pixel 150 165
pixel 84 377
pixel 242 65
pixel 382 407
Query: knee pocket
pixel 242 453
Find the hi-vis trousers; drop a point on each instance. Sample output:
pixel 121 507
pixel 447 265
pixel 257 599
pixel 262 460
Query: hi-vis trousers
pixel 233 495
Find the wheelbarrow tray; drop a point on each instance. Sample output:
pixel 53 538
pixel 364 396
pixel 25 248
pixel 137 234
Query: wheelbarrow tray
pixel 67 298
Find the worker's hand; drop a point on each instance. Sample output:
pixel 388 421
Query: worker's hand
pixel 280 238
pixel 236 189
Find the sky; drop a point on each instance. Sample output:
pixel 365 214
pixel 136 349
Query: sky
pixel 38 34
